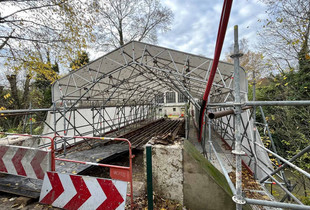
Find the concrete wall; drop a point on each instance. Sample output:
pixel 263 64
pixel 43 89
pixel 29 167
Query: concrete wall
pixel 204 186
pixel 167 169
pixel 20 141
pixel 182 174
pixel 202 183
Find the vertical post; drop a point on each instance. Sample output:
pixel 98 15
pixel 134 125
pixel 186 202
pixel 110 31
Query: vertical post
pixel 65 131
pixel 118 121
pixel 130 172
pixel 210 138
pixel 209 133
pixel 30 106
pixel 186 120
pixel 124 114
pixel 93 120
pixel 149 176
pixel 238 152
pixel 74 129
pixel 254 126
pixel 205 136
pixel 64 116
pixel 103 121
pixel 55 123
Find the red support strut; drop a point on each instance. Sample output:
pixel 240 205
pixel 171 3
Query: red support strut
pixel 218 48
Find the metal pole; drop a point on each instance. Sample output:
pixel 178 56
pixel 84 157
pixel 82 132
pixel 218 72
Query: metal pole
pixel 103 121
pixel 276 204
pixel 64 116
pixel 263 103
pixel 254 126
pixel 149 176
pixel 186 120
pixel 272 143
pixel 204 139
pixel 93 119
pixel 210 138
pixel 74 130
pixel 283 188
pixel 237 198
pixel 285 165
pixel 231 185
pixel 209 133
pixel 285 161
pixel 55 123
pixel 219 114
pixel 30 119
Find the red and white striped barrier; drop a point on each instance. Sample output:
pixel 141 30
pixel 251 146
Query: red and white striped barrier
pixel 24 161
pixel 82 192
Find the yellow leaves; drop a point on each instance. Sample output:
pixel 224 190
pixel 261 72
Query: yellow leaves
pixel 307 56
pixel 286 84
pixel 285 77
pixel 6 96
pixel 295 42
pixel 2 108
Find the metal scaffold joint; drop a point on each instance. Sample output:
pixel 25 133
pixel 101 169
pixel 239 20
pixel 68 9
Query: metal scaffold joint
pixel 238 152
pixel 238 201
pixel 237 55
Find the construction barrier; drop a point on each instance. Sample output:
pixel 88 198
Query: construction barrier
pixel 61 190
pixel 82 192
pixel 26 161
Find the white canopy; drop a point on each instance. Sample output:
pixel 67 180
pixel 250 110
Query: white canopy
pixel 136 72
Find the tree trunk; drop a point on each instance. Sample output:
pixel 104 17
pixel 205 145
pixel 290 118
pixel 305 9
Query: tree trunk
pixel 121 35
pixel 14 91
pixel 1 89
pixel 26 92
pixel 304 62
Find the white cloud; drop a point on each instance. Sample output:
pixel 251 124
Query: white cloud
pixel 195 25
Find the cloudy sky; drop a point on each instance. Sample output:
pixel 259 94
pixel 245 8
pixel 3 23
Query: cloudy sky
pixel 195 24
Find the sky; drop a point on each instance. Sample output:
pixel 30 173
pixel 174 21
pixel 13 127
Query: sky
pixel 196 22
pixel 195 25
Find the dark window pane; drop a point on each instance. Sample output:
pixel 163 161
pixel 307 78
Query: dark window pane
pixel 159 98
pixel 170 97
pixel 182 98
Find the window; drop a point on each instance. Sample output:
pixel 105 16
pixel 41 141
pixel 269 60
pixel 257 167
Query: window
pixel 182 98
pixel 174 109
pixel 170 97
pixel 160 110
pixel 159 98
